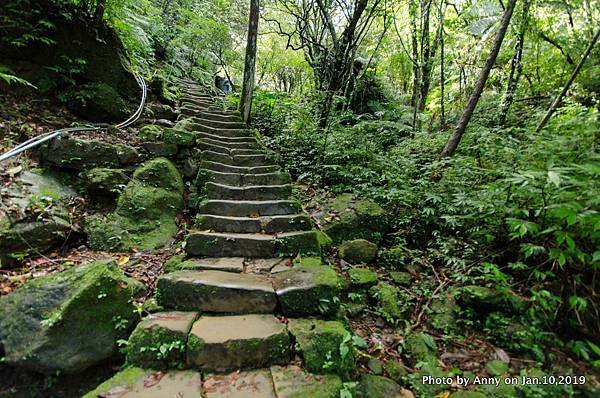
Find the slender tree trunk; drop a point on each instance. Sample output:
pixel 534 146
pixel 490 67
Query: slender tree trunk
pixel 516 67
pixel 560 96
pixel 442 73
pixel 250 62
pixel 412 10
pixel 99 13
pixel 483 76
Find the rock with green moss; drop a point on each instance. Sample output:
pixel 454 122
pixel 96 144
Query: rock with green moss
pixel 82 154
pixel 106 182
pixel 375 366
pixel 325 346
pixel 401 278
pixel 372 386
pixel 308 288
pixel 145 213
pixel 293 382
pixel 395 370
pixel 420 347
pixel 39 218
pixel 362 278
pixel 151 132
pixel 159 341
pixel 325 240
pixel 486 299
pixel 346 218
pixel 496 367
pixel 137 382
pixel 68 321
pixel 396 258
pixel 97 102
pixel 160 111
pixel 442 316
pixel 387 297
pixel 358 251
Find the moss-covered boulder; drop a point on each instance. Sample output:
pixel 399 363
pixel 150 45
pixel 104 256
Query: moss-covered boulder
pixel 372 386
pixel 81 154
pixel 36 218
pixel 487 299
pixel 420 347
pixel 97 102
pixel 358 251
pixel 159 341
pixel 362 278
pixel 145 213
pixel 166 135
pixel 106 182
pixel 68 321
pixel 161 111
pixel 325 346
pixel 346 218
pixel 401 278
pixel 395 370
pixel 387 298
pixel 308 288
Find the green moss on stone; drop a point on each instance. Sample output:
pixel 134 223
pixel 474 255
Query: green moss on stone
pixel 362 277
pixel 358 251
pixel 395 370
pixel 420 347
pixel 160 173
pixel 151 132
pixel 323 345
pixel 372 386
pixel 387 296
pixel 125 378
pixel 303 243
pixel 107 182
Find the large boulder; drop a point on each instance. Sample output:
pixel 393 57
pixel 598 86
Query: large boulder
pixel 145 213
pixel 68 321
pixel 97 102
pixel 79 154
pixel 346 217
pixel 34 218
pixel 358 251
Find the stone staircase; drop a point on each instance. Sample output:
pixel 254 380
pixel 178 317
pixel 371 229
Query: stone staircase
pixel 253 260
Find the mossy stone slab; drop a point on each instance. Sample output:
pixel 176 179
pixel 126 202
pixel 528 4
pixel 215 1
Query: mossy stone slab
pixel 362 277
pixel 248 384
pixel 308 288
pixel 240 341
pixel 380 387
pixel 159 340
pixel 294 382
pixel 138 383
pixel 319 343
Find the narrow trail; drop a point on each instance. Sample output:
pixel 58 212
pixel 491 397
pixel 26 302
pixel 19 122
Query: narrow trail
pixel 239 301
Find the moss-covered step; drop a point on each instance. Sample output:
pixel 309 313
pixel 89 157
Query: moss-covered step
pixel 219 116
pixel 238 160
pixel 221 138
pixel 252 192
pixel 325 346
pixel 221 124
pixel 208 146
pixel 216 291
pixel 274 224
pixel 247 384
pixel 246 144
pixel 159 341
pixel 225 168
pixel 213 244
pixel 239 151
pixel 308 288
pixel 222 343
pixel 293 382
pixel 145 383
pixel 240 179
pixel 249 208
pixel 227 264
pixel 243 132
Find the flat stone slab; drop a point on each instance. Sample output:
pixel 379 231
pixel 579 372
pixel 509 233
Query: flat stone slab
pixel 223 343
pixel 250 384
pixel 264 265
pixel 226 168
pixel 293 382
pixel 161 329
pixel 216 291
pixel 307 290
pixel 249 208
pixel 250 192
pixel 227 264
pixel 136 382
pixel 266 224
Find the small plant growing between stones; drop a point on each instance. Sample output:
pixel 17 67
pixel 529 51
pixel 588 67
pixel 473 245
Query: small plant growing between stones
pixel 120 323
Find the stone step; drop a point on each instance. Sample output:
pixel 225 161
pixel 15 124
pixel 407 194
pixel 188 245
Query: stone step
pixel 249 208
pixel 207 146
pixel 231 145
pixel 216 291
pixel 221 343
pixel 226 139
pixel 241 179
pixel 237 160
pixel 251 192
pixel 195 102
pixel 214 244
pixel 226 168
pixel 239 132
pixel 227 264
pixel 219 124
pixel 270 225
pixel 288 381
pixel 220 117
pixel 240 151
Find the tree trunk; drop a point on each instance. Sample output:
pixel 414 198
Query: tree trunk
pixel 560 96
pixel 483 76
pixel 442 12
pixel 250 62
pixel 516 68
